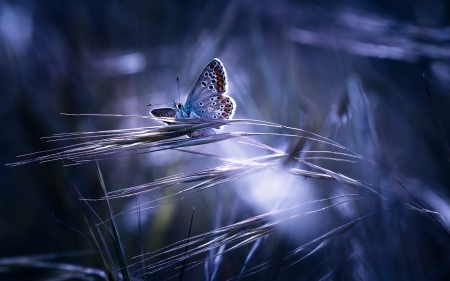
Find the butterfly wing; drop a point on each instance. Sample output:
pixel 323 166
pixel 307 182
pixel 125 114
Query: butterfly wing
pixel 164 112
pixel 207 98
pixel 170 112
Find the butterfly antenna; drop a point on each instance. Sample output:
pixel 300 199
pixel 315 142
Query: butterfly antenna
pixel 179 98
pixel 151 104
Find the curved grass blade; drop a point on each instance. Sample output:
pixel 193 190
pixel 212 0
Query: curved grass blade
pixel 183 263
pixel 115 234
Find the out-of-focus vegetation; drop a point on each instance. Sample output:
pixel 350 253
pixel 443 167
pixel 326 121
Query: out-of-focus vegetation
pixel 349 71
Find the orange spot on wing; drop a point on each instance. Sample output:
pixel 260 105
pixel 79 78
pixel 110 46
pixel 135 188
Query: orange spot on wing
pixel 227 110
pixel 220 83
pixel 211 66
pixel 224 101
pixel 219 77
pixel 219 97
pixel 224 114
pixel 216 68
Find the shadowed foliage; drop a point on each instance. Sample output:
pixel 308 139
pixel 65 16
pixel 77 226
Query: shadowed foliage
pixel 334 166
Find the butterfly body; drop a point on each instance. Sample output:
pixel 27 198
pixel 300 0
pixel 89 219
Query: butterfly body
pixel 206 99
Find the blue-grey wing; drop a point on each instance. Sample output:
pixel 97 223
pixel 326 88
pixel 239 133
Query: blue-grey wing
pixel 207 98
pixel 164 112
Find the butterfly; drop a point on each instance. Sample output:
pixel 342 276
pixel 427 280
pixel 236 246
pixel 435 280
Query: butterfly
pixel 206 99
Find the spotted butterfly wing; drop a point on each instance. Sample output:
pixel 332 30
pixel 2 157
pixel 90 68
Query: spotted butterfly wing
pixel 207 98
pixel 164 112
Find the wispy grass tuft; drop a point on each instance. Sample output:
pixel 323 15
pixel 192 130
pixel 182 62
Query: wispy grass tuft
pixel 101 145
pixel 118 143
pixel 242 233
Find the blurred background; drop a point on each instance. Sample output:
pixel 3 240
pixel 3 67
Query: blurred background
pixel 351 71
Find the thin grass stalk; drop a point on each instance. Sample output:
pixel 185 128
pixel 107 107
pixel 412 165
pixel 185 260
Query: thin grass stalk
pixel 437 121
pixel 183 263
pixel 115 233
pixel 141 238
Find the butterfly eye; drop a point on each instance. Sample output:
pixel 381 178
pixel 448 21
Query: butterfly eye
pixel 179 106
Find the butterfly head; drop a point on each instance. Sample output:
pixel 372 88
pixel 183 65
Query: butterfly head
pixel 181 110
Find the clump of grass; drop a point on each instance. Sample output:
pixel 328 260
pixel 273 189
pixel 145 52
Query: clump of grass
pixel 102 145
